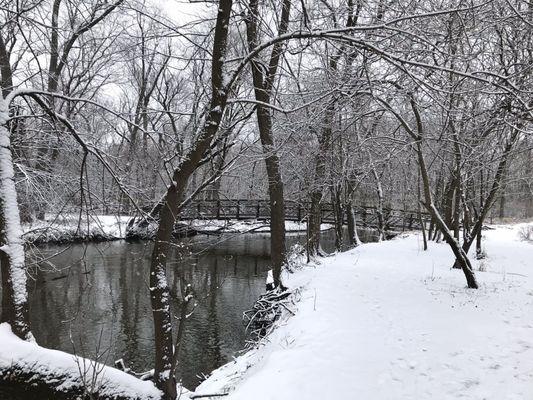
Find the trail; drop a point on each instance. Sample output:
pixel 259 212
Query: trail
pixel 389 321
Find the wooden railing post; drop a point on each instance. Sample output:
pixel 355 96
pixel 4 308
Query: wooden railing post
pixel 258 209
pixel 238 210
pixel 218 209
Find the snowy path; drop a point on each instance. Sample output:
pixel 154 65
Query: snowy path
pixel 389 321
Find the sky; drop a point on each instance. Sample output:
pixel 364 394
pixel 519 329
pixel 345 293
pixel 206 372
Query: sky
pixel 182 11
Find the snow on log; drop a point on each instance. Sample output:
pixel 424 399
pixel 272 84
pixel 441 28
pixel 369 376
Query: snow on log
pixel 28 369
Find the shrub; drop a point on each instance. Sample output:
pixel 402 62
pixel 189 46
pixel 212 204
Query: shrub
pixel 526 233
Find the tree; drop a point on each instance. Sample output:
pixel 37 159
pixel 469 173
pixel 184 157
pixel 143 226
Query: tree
pixel 263 81
pixel 159 291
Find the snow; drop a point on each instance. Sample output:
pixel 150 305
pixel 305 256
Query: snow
pixel 67 227
pixel 13 245
pixel 33 358
pixel 242 226
pixel 390 321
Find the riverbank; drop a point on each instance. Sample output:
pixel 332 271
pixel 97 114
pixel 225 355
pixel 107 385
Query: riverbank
pixel 71 228
pixel 28 370
pixel 390 321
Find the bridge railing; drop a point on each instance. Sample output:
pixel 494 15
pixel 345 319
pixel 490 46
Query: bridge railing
pixel 245 209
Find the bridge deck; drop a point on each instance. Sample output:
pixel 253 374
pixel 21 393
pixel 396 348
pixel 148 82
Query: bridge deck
pixel 294 211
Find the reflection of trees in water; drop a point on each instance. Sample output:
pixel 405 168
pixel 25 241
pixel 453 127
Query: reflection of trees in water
pixel 114 298
pixel 214 331
pixel 129 291
pixel 213 340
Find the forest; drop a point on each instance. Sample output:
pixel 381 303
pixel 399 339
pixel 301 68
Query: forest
pixel 169 167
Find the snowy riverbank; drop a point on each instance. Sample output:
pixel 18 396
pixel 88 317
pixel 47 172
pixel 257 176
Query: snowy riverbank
pixel 390 321
pixel 70 228
pixel 21 361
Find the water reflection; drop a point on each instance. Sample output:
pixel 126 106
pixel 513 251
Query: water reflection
pixel 95 301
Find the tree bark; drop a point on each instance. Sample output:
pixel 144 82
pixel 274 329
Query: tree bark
pixel 353 237
pixel 159 291
pixel 379 207
pixel 315 212
pixel 528 185
pixel 420 219
pixel 314 220
pixel 12 259
pixel 339 215
pixel 263 83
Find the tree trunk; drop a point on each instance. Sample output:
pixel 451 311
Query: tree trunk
pixel 338 214
pixel 459 253
pixel 314 219
pixel 379 208
pixel 528 185
pixel 501 210
pixel 479 250
pixel 457 206
pixel 353 237
pixel 420 220
pixel 12 259
pixel 497 182
pixel 324 145
pixel 277 218
pixel 165 362
pixel 263 83
pixel 418 137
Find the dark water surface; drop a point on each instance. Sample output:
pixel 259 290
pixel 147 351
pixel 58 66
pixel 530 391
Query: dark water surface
pixel 92 299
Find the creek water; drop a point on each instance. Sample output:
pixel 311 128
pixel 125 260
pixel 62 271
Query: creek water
pixel 92 299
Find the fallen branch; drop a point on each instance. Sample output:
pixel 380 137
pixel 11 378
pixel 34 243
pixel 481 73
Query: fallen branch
pixel 268 309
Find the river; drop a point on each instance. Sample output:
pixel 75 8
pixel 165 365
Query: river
pixel 92 299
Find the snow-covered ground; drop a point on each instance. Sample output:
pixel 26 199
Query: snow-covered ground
pixel 388 321
pixel 243 226
pixel 69 227
pixel 50 364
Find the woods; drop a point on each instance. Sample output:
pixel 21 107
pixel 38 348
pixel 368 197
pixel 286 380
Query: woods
pixel 138 108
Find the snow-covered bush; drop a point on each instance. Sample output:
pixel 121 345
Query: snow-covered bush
pixel 295 257
pixel 526 233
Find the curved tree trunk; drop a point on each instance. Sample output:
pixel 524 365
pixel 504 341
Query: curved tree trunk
pixel 165 362
pixel 418 137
